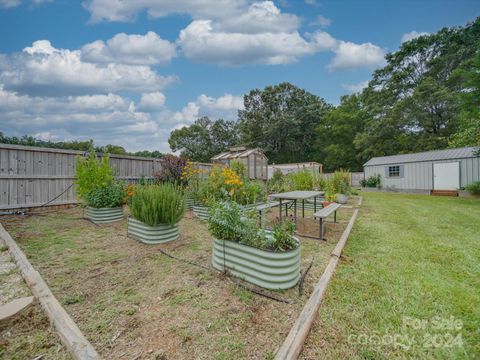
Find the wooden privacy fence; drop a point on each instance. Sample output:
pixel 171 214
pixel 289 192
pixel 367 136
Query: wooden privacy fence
pixel 32 176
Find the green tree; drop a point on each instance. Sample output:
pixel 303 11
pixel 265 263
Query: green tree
pixel 112 149
pixel 31 141
pixel 146 153
pixel 281 120
pixel 204 138
pixel 469 133
pixel 336 133
pixel 412 103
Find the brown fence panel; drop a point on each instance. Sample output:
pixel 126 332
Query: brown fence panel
pixel 33 176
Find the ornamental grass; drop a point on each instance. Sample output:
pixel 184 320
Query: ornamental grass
pixel 158 204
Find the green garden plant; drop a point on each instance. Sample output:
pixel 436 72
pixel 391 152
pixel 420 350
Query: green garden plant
pixel 222 183
pixel 158 204
pixel 109 196
pixel 302 180
pixel 340 181
pixel 283 236
pixel 229 221
pixel 373 181
pixel 92 174
pixel 240 169
pixel 474 188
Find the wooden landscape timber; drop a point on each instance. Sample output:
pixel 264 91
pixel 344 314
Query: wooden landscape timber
pixel 293 344
pixel 69 333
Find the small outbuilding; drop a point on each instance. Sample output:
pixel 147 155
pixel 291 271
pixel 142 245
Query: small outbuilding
pixel 449 169
pixel 254 159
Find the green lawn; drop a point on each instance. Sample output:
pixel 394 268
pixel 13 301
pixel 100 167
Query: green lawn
pixel 408 285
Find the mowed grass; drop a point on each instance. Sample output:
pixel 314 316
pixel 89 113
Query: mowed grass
pixel 408 285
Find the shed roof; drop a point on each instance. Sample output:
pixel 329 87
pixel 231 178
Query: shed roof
pixel 236 154
pixel 446 154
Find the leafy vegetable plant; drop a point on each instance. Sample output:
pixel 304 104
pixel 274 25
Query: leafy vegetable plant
pixel 109 196
pixel 229 221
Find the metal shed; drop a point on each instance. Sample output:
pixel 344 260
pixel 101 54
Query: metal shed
pixel 254 159
pixel 449 169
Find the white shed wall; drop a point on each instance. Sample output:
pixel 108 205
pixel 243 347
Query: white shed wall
pixel 419 175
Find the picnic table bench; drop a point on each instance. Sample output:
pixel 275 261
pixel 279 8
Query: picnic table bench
pixel 323 214
pixel 269 205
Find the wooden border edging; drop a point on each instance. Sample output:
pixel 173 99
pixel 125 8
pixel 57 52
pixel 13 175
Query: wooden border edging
pixel 293 344
pixel 69 333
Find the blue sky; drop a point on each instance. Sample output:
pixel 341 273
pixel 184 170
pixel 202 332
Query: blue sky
pixel 129 72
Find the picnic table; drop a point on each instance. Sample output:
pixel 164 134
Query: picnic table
pixel 294 196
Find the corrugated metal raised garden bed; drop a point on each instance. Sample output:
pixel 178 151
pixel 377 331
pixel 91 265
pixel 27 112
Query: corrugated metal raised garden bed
pixel 201 212
pixel 268 269
pixel 104 215
pixel 147 234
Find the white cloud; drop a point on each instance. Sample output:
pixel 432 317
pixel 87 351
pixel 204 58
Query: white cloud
pixel 148 49
pixel 107 118
pixel 322 21
pixel 355 88
pixel 13 3
pixel 226 102
pixel 224 107
pixel 260 17
pixel 44 70
pixel 127 10
pixel 11 101
pixel 9 3
pixel 152 102
pixel 349 55
pixel 199 42
pixel 323 41
pixel 412 35
pixel 188 114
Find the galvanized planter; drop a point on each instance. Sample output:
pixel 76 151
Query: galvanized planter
pixel 147 234
pixel 252 206
pixel 201 212
pixel 104 215
pixel 268 269
pixel 342 198
pixel 189 203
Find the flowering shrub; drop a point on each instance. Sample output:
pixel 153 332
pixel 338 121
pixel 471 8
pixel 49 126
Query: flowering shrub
pixel 129 191
pixel 240 168
pixel 172 169
pixel 224 183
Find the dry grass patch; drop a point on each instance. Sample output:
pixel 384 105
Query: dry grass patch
pixel 131 301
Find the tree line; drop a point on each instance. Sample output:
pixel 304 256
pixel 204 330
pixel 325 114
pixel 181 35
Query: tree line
pixel 74 145
pixel 427 97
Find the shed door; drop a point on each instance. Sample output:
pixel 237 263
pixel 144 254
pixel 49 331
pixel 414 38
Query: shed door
pixel 446 176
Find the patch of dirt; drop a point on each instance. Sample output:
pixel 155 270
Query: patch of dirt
pixel 28 334
pixel 131 301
